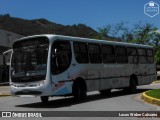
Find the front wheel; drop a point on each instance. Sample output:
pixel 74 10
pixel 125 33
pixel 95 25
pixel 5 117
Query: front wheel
pixel 79 91
pixel 44 99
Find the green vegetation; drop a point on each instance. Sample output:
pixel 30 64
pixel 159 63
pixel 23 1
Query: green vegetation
pixel 157 56
pixel 154 93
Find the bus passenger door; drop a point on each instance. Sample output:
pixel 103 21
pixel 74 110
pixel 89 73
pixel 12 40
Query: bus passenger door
pixel 60 62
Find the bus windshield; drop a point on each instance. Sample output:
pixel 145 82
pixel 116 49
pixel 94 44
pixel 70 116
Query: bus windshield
pixel 29 60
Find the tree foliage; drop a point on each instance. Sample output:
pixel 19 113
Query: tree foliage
pixel 157 56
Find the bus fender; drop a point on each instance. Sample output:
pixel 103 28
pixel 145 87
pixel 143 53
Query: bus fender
pixel 81 81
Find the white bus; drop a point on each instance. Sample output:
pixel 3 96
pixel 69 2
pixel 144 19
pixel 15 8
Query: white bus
pixel 55 65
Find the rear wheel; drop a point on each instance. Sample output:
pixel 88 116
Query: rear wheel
pixel 132 86
pixel 44 99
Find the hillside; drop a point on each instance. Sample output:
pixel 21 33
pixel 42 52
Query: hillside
pixel 43 26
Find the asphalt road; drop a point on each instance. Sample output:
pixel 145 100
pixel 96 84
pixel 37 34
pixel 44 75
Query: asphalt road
pixel 116 101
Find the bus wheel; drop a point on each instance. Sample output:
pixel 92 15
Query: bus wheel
pixel 44 99
pixel 132 86
pixel 79 91
pixel 105 92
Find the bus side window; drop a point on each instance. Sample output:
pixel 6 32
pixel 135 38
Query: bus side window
pixel 80 52
pixel 121 54
pixel 142 55
pixel 61 56
pixel 132 55
pixel 150 55
pixel 108 53
pixel 94 53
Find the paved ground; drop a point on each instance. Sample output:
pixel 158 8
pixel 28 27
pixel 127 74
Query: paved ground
pixel 4 90
pixel 117 101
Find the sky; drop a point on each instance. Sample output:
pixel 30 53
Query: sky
pixel 93 13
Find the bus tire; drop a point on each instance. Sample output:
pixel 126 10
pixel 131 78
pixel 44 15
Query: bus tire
pixel 44 99
pixel 79 90
pixel 132 85
pixel 105 92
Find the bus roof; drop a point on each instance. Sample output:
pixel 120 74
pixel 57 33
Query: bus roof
pixel 53 37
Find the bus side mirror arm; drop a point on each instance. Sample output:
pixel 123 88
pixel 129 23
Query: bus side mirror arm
pixel 4 55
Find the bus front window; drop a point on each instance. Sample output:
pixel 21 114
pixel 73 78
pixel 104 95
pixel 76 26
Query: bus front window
pixel 29 61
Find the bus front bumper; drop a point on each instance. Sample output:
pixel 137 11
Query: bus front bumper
pixel 30 89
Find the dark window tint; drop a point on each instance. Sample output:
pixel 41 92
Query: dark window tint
pixel 80 52
pixel 61 56
pixel 121 54
pixel 94 53
pixel 29 62
pixel 108 54
pixel 150 55
pixel 142 55
pixel 132 55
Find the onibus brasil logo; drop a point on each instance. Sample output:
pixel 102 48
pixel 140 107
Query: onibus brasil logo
pixel 151 9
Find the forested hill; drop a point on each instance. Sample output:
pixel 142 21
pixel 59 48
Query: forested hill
pixel 43 26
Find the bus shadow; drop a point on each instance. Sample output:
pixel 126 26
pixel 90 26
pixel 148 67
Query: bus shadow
pixel 65 102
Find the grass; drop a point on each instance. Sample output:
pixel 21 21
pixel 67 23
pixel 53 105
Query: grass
pixel 154 93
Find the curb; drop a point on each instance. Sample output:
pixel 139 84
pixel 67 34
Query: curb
pixel 4 94
pixel 157 81
pixel 149 99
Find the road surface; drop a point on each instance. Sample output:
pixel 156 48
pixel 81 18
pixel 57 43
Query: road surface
pixel 116 101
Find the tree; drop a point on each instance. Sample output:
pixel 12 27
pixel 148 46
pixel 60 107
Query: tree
pixel 143 33
pixel 115 31
pixel 155 38
pixel 104 31
pixel 118 29
pixel 157 56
